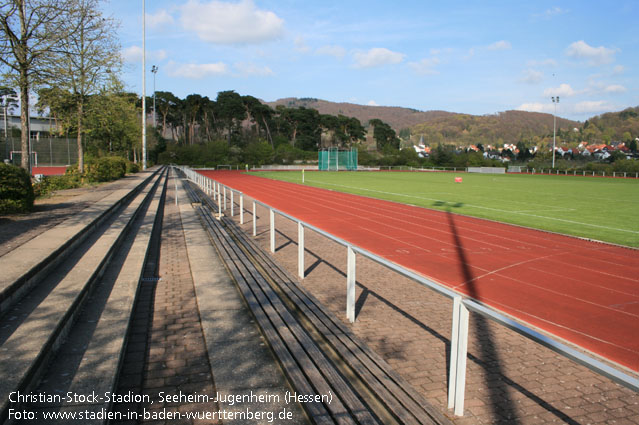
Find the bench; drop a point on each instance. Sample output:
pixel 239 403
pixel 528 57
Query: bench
pixel 319 353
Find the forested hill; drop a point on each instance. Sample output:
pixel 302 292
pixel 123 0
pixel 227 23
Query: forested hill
pixel 509 126
pixel 444 126
pixel 396 117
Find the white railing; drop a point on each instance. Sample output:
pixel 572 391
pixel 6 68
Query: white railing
pixel 461 305
pixel 582 173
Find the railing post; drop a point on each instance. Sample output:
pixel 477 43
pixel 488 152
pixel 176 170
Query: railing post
pixel 254 221
pixel 232 203
pixel 219 205
pixel 458 355
pixel 224 198
pixel 350 285
pixel 272 230
pixel 300 249
pixel 241 208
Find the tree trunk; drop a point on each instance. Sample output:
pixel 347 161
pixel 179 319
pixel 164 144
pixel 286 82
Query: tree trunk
pixel 25 161
pixel 164 123
pixel 80 149
pixel 268 132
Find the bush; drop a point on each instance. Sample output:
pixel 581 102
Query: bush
pixel 132 167
pixel 50 184
pixel 626 166
pixel 599 168
pixel 105 169
pixel 16 192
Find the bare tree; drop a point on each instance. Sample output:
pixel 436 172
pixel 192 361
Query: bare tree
pixel 89 56
pixel 30 31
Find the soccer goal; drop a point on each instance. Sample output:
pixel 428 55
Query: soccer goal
pixel 16 157
pixel 333 159
pixel 224 167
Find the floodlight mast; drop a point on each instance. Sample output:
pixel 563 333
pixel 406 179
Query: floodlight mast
pixel 154 70
pixel 555 101
pixel 143 86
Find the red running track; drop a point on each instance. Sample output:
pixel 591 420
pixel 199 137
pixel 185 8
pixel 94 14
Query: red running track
pixel 585 292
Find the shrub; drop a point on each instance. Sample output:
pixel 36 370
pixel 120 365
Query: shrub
pixel 105 169
pixel 132 167
pixel 16 192
pixel 626 166
pixel 50 184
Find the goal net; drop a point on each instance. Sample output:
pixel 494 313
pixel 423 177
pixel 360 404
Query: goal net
pixel 333 159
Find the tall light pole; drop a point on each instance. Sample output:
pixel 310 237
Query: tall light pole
pixel 154 70
pixel 555 101
pixel 143 86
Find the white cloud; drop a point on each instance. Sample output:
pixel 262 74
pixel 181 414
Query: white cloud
pixel 247 69
pixel 500 45
pixel 470 54
pixel 331 50
pixel 619 69
pixel 372 103
pixel 592 107
pixel 231 23
pixel 196 71
pixel 614 88
pixel 563 90
pixel 133 54
pixel 159 20
pixel 532 76
pixel 300 44
pixel 378 56
pixel 536 107
pixel 587 107
pixel 594 55
pixel 425 66
pixel 549 13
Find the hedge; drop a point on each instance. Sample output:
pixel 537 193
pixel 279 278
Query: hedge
pixel 50 184
pixel 16 191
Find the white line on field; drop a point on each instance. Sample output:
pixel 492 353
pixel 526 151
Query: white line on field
pixel 480 207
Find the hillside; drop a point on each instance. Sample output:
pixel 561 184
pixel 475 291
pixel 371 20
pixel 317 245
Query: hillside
pixel 442 126
pixel 396 117
pixel 509 126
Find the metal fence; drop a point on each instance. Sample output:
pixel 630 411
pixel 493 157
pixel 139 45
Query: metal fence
pixel 461 306
pixel 45 151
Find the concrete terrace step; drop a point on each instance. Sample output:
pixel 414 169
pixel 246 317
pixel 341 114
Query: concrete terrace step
pixel 23 267
pixel 90 359
pixel 33 329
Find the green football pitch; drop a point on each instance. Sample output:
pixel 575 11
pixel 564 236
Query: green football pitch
pixel 604 209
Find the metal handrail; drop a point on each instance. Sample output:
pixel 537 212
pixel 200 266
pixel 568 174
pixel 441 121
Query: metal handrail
pixel 461 306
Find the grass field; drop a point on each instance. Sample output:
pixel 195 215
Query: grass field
pixel 598 208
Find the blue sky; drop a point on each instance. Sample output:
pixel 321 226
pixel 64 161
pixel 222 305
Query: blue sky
pixel 477 57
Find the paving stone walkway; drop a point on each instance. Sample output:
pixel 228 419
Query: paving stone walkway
pixel 171 351
pixel 167 353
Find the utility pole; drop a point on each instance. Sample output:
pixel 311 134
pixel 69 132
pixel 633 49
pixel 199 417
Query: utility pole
pixel 555 101
pixel 154 70
pixel 143 86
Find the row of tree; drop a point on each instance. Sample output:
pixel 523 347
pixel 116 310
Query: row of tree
pixel 241 120
pixel 63 44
